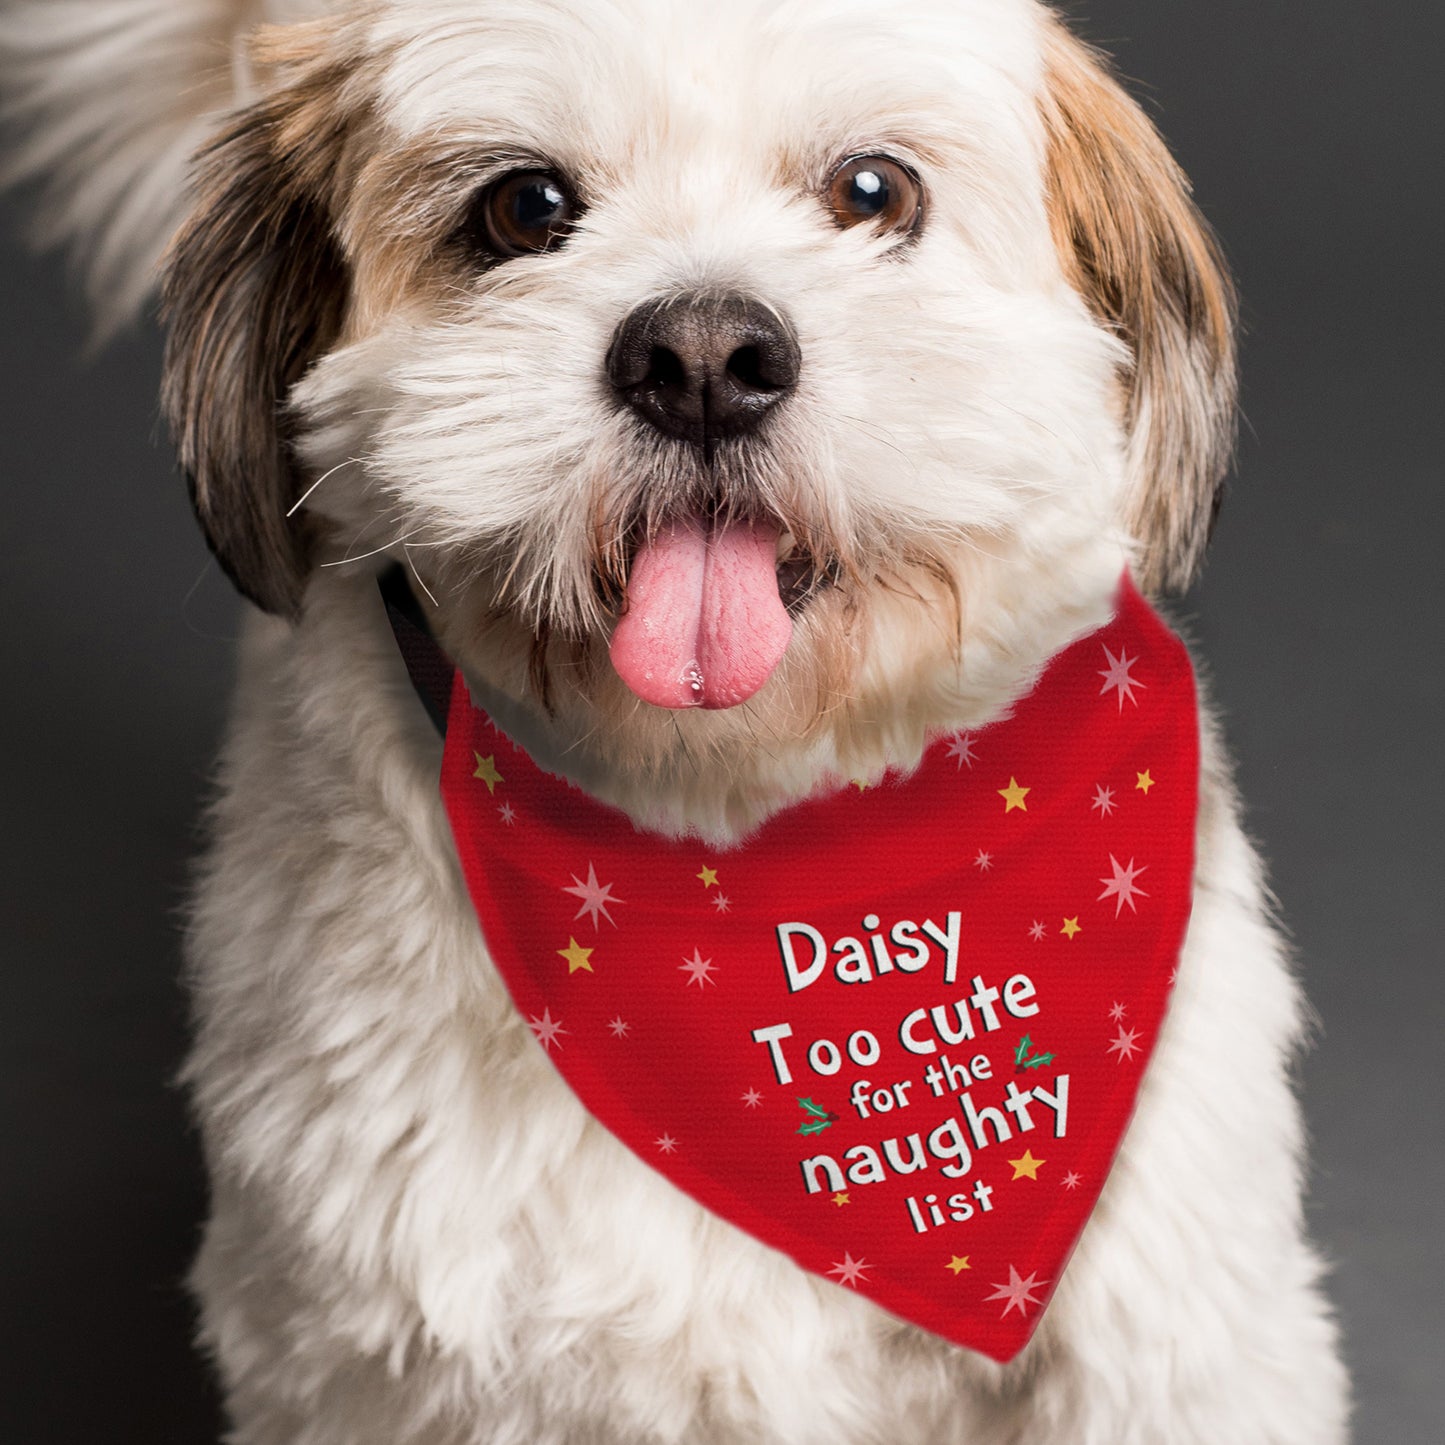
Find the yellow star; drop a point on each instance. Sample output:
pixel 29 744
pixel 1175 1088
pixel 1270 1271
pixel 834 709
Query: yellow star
pixel 957 1263
pixel 487 772
pixel 840 1199
pixel 861 784
pixel 576 956
pixel 1145 782
pixel 1028 1165
pixel 1014 796
pixel 1071 927
pixel 708 876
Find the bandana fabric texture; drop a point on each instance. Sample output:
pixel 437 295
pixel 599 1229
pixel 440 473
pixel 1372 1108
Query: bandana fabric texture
pixel 897 1033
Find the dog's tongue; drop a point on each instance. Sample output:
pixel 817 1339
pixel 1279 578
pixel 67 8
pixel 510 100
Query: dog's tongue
pixel 704 625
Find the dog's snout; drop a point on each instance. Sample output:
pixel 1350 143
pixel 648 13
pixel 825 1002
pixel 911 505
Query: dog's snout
pixel 703 367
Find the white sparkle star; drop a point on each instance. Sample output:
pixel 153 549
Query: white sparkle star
pixel 1117 1012
pixel 595 897
pixel 1037 931
pixel 1116 675
pixel 1121 887
pixel 1103 800
pixel 752 1098
pixel 1071 1180
pixel 620 1029
pixel 1126 1044
pixel 1019 1292
pixel 961 747
pixel 984 861
pixel 546 1029
pixel 698 969
pixel 507 813
pixel 721 903
pixel 667 1144
pixel 850 1271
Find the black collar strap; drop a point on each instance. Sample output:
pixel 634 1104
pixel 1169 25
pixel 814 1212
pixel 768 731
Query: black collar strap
pixel 430 669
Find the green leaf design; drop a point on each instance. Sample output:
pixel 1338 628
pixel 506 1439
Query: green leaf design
pixel 818 1117
pixel 1024 1060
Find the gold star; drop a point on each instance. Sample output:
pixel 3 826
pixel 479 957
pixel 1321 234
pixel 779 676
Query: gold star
pixel 1145 782
pixel 1027 1166
pixel 861 785
pixel 487 772
pixel 576 956
pixel 708 876
pixel 1014 796
pixel 1071 927
pixel 957 1263
pixel 840 1199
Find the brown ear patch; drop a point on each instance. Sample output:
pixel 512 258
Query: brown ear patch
pixel 1134 245
pixel 255 288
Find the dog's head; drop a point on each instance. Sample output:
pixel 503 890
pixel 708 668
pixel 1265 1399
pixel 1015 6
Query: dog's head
pixel 765 345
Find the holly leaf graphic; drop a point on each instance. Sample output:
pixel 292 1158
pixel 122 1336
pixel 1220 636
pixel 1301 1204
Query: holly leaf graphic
pixel 1023 1059
pixel 818 1117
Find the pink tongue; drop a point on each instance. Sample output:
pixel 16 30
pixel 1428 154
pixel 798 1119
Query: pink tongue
pixel 704 625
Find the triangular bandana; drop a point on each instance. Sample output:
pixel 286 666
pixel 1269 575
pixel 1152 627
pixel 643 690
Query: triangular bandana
pixel 898 1033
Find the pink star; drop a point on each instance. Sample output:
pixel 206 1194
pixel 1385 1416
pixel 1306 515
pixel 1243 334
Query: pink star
pixel 721 903
pixel 1117 1012
pixel 698 969
pixel 850 1271
pixel 1072 1180
pixel 667 1144
pixel 1019 1292
pixel 984 861
pixel 1037 931
pixel 508 814
pixel 1122 887
pixel 595 897
pixel 1103 800
pixel 620 1030
pixel 752 1098
pixel 961 747
pixel 1126 1043
pixel 546 1029
pixel 1117 676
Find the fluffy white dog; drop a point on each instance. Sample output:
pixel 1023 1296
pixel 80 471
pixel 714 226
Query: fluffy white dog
pixel 978 359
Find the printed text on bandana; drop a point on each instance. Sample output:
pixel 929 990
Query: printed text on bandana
pixel 877 1075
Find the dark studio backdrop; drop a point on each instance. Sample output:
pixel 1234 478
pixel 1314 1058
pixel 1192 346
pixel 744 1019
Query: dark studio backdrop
pixel 1313 133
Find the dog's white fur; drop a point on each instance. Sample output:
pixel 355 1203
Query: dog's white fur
pixel 418 1235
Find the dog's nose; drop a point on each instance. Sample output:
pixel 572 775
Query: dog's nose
pixel 703 367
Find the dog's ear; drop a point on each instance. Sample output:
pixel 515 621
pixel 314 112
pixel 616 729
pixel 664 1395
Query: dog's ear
pixel 1136 248
pixel 254 290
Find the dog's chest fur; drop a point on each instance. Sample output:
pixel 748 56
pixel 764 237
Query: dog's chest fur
pixel 419 1235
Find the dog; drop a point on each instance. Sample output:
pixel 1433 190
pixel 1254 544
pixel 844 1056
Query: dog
pixel 967 354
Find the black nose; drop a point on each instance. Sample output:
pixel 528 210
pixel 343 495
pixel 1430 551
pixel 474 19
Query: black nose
pixel 702 367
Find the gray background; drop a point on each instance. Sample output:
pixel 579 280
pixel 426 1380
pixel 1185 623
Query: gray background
pixel 1316 149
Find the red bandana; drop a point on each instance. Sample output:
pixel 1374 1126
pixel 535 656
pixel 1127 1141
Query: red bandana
pixel 898 1033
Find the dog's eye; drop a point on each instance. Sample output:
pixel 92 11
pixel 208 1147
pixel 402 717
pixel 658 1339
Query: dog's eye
pixel 523 213
pixel 875 190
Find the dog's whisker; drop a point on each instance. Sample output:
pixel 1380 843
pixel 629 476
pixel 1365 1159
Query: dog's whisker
pixel 406 548
pixel 364 556
pixel 301 500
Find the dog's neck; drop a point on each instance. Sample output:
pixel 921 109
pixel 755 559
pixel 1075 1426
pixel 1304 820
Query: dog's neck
pixel 719 775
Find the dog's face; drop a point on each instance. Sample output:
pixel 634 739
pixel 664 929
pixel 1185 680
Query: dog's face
pixel 791 334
